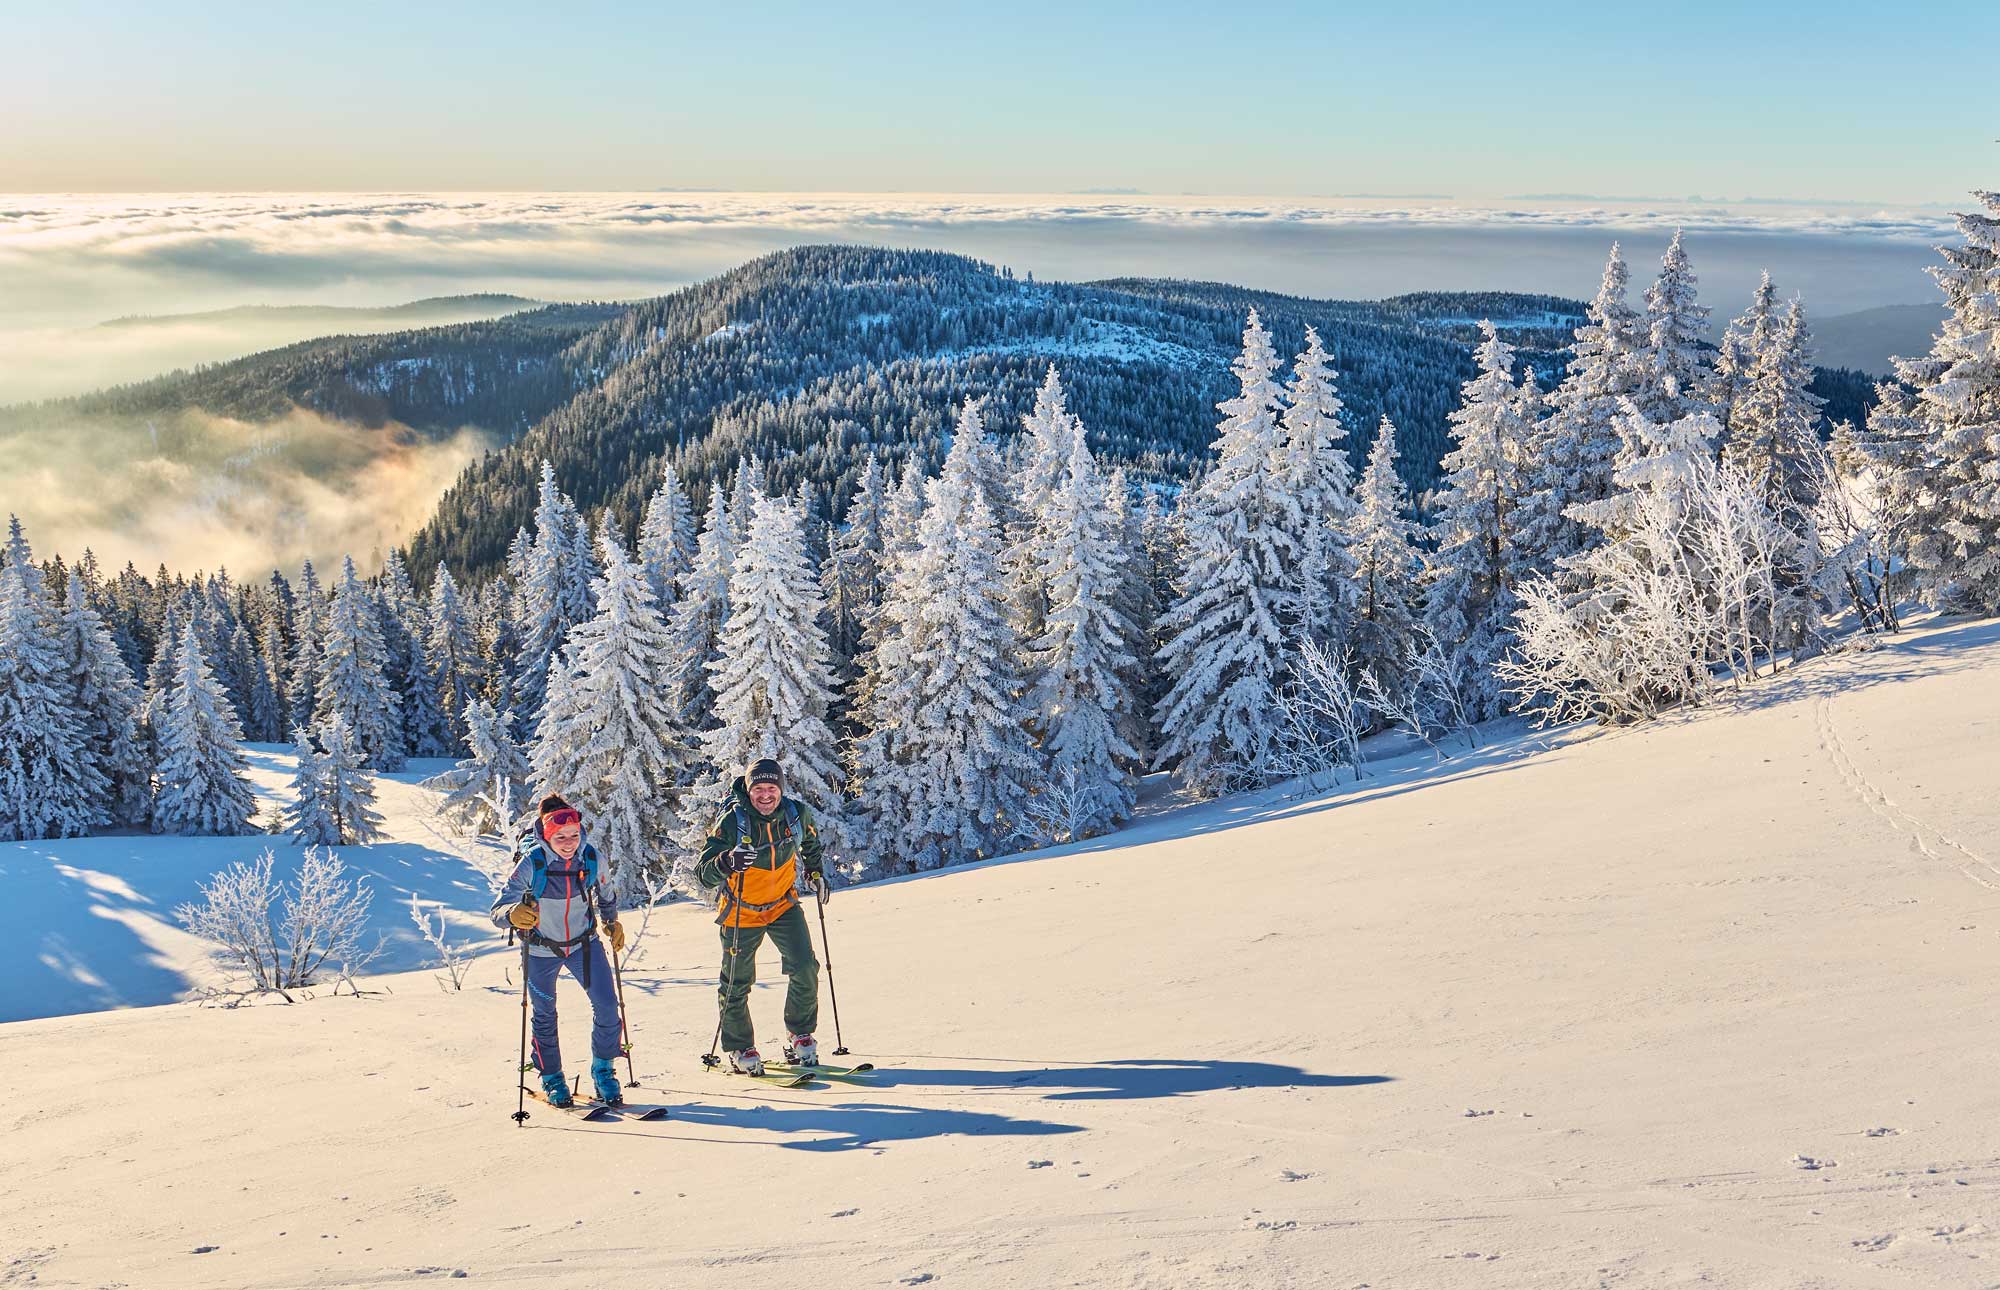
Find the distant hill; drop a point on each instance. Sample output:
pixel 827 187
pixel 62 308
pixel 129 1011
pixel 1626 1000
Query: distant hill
pixel 1867 340
pixel 429 312
pixel 812 359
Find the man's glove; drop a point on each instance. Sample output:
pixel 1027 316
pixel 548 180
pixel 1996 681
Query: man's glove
pixel 524 917
pixel 737 859
pixel 816 882
pixel 616 931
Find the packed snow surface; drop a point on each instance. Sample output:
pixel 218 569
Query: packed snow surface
pixel 1703 1002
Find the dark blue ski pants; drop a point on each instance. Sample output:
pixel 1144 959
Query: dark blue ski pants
pixel 592 970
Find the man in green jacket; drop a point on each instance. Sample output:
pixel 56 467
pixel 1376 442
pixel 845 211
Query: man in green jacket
pixel 755 852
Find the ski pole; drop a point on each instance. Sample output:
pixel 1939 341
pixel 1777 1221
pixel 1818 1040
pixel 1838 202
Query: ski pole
pixel 840 1049
pixel 618 975
pixel 735 939
pixel 521 1071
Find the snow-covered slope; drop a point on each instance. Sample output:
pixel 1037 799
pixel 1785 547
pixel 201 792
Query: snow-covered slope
pixel 1707 1002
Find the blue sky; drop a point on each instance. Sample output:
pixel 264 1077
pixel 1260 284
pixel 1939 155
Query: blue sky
pixel 1830 101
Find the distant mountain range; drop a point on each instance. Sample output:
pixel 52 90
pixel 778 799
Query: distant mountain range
pixel 431 312
pixel 1867 340
pixel 814 358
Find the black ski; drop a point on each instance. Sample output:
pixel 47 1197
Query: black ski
pixel 595 1112
pixel 646 1111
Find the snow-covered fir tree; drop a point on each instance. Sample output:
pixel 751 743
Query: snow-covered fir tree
pixel 945 761
pixel 1314 453
pixel 694 627
pixel 354 683
pixel 553 591
pixel 1226 644
pixel 308 646
pixel 488 790
pixel 426 728
pixel 201 785
pixel 667 539
pixel 1045 445
pixel 773 680
pixel 50 787
pixel 307 817
pixel 1136 600
pixel 851 582
pixel 1773 433
pixel 1676 379
pixel 608 737
pixel 1576 446
pixel 1470 575
pixel 451 655
pixel 1947 490
pixel 106 699
pixel 1082 701
pixel 1742 342
pixel 346 793
pixel 264 717
pixel 1382 538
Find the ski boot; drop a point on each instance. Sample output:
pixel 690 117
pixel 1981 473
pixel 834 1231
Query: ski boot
pixel 802 1050
pixel 604 1080
pixel 556 1089
pixel 745 1061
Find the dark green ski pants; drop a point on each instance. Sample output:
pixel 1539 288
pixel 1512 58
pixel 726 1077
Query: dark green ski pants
pixel 739 972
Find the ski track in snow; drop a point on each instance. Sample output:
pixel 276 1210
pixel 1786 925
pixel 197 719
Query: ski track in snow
pixel 1925 839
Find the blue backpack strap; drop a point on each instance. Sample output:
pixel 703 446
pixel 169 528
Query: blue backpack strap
pixel 538 881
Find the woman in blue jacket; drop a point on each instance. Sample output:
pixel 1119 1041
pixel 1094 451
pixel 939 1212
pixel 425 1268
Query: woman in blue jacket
pixel 557 899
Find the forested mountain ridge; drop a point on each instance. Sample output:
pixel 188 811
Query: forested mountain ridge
pixel 810 359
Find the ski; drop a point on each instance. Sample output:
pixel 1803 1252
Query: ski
pixel 595 1112
pixel 856 1073
pixel 782 1079
pixel 645 1111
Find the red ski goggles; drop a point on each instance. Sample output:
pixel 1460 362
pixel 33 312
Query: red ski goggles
pixel 558 819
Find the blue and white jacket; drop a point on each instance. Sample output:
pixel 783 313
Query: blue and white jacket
pixel 573 895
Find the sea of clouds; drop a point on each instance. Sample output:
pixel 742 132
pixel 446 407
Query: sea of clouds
pixel 70 263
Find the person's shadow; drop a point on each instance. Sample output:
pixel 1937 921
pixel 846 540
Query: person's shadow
pixel 857 1124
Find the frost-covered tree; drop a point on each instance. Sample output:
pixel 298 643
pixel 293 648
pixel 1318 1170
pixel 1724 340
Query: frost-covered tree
pixel 1136 600
pixel 1226 642
pixel 851 582
pixel 426 730
pixel 106 699
pixel 487 791
pixel 346 796
pixel 1471 572
pixel 1314 453
pixel 1942 461
pixel 309 645
pixel 1773 432
pixel 1082 699
pixel 946 760
pixel 553 590
pixel 773 680
pixel 1676 380
pixel 306 816
pixel 50 787
pixel 1382 538
pixel 201 786
pixel 1048 432
pixel 354 684
pixel 694 627
pixel 1742 342
pixel 451 655
pixel 1576 446
pixel 667 539
pixel 611 740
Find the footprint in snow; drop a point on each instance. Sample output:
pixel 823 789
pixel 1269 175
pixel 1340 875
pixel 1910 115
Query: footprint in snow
pixel 1808 1162
pixel 1292 1175
pixel 1883 1133
pixel 1040 1164
pixel 1471 1114
pixel 919 1279
pixel 845 1213
pixel 1873 1243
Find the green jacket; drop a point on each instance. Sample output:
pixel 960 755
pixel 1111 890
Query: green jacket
pixel 788 838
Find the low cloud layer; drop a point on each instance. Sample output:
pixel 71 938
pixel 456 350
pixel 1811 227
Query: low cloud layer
pixel 201 492
pixel 72 261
